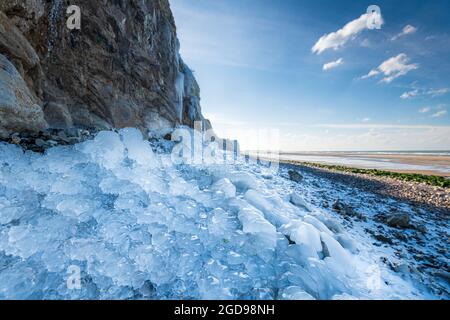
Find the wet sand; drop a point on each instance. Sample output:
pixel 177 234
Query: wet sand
pixel 404 163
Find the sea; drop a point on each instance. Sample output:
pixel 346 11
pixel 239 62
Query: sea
pixel 420 161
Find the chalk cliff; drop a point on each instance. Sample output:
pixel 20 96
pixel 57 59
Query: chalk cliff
pixel 122 69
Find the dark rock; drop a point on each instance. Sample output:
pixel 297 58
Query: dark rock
pixel 62 135
pixel 295 176
pixel 338 206
pixel 346 210
pixel 419 257
pixel 383 238
pixel 399 220
pixel 73 140
pixel 443 275
pixel 15 139
pixel 40 143
pixel 52 143
pixel 401 236
pixel 421 228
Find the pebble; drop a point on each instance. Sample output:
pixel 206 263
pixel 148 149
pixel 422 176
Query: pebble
pixel 295 176
pixel 40 142
pixel 16 139
pixel 383 238
pixel 346 210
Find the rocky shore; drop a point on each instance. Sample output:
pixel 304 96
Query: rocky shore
pixel 409 221
pixel 43 140
pixel 417 193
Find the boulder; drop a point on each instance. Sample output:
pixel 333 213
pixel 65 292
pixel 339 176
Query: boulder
pixel 398 220
pixel 19 108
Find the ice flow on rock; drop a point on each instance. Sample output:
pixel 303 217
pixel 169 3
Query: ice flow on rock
pixel 138 226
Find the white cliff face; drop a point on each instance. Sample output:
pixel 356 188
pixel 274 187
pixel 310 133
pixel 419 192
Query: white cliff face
pixel 137 226
pixel 120 70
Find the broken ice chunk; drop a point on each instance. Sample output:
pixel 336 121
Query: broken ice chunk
pixel 338 257
pixel 303 233
pixel 224 186
pixel 138 149
pixel 317 224
pixel 295 293
pixel 254 223
pixel 243 181
pixel 220 224
pixel 106 149
pixel 299 202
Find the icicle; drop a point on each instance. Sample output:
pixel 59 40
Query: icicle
pixel 52 24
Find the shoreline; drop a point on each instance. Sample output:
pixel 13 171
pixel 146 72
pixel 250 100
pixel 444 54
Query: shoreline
pixel 419 163
pixel 418 193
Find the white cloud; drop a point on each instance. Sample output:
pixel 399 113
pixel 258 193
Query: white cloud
pixel 370 137
pixel 333 64
pixel 338 39
pixel 408 29
pixel 439 114
pixel 438 92
pixel 424 92
pixel 425 110
pixel 366 120
pixel 393 68
pixel 410 94
pixel 377 126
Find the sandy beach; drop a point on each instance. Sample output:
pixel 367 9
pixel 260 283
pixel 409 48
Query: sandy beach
pixel 422 163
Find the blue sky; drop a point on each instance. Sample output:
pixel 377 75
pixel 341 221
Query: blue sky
pixel 261 66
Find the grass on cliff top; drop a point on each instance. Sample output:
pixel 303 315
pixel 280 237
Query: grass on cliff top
pixel 414 177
